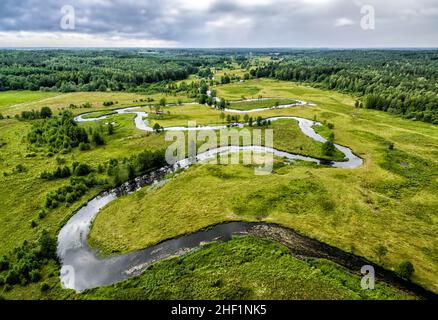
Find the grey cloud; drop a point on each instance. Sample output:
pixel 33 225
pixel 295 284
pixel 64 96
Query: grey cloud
pixel 234 23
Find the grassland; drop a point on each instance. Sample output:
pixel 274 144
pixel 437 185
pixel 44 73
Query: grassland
pixel 357 210
pixel 390 201
pixel 265 103
pixel 244 268
pixel 13 99
pixel 57 101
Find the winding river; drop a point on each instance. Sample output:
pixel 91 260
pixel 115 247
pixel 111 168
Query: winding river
pixel 83 268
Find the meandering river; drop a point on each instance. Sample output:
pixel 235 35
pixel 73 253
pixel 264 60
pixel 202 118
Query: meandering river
pixel 83 268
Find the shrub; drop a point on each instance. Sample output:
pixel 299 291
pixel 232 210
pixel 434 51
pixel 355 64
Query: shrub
pixel 381 251
pixel 406 269
pixel 110 128
pixel 4 263
pixel 19 168
pixel 45 112
pixel 44 287
pixel 328 148
pixel 84 146
pixel 57 133
pixel 157 128
pixel 34 276
pixel 82 169
pixel 97 138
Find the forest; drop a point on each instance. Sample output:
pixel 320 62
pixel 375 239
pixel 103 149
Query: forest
pixel 88 70
pixel 400 82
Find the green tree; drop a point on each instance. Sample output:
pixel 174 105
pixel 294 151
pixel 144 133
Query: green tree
pixel 405 270
pixel 328 148
pixel 157 128
pixel 163 102
pixel 110 128
pixel 97 138
pixel 45 112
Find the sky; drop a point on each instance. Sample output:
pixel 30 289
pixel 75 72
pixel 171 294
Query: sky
pixel 219 23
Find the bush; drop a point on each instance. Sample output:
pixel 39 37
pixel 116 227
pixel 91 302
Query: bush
pixel 84 146
pixel 58 133
pixel 328 148
pixel 82 169
pixel 44 287
pixel 34 276
pixel 110 128
pixel 60 172
pixel 406 269
pixel 157 128
pixel 45 112
pixel 97 138
pixel 19 168
pixel 4 263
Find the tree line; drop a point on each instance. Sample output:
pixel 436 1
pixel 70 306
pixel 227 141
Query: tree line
pixel 400 82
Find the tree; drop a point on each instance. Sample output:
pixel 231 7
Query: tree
pixel 97 138
pixel 157 128
pixel 82 169
pixel 222 104
pixel 202 99
pixel 246 118
pixel 328 148
pixel 406 269
pixel 110 128
pixel 131 171
pixel 222 116
pixel 380 251
pixel 45 112
pixel 162 102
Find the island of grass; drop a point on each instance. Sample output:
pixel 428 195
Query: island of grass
pixel 261 103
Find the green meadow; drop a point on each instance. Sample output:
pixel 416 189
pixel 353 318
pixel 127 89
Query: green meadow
pixel 390 202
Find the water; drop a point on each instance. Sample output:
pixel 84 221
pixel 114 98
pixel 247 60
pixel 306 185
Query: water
pixel 82 267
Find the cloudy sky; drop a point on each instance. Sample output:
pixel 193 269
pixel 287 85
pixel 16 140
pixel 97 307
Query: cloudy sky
pixel 218 23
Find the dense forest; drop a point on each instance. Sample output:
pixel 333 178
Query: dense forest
pixel 87 70
pixel 401 82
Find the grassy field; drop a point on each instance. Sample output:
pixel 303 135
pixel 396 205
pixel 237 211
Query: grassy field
pixel 14 99
pixel 247 105
pixel 244 268
pixel 57 101
pixel 357 210
pixel 390 201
